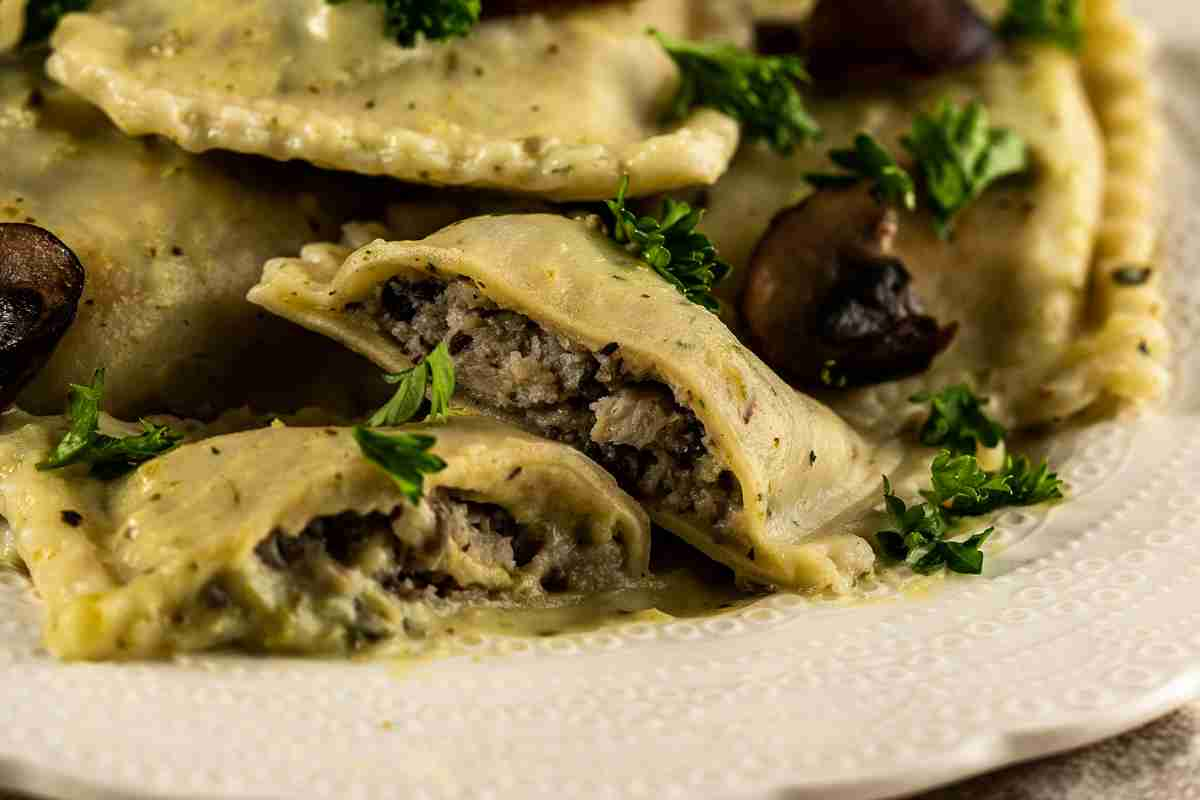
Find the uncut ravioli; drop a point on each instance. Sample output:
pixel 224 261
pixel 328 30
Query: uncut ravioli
pixel 791 471
pixel 170 243
pixel 1028 274
pixel 560 105
pixel 245 539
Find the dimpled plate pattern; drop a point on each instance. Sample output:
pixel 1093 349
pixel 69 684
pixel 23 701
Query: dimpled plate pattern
pixel 1088 623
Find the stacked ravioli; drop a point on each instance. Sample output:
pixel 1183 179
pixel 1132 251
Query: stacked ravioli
pixel 274 202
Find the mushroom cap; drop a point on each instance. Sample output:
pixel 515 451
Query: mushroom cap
pixel 883 40
pixel 41 281
pixel 826 301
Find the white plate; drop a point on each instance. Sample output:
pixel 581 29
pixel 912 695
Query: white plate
pixel 1088 624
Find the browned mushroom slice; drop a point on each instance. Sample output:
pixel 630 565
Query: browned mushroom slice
pixel 827 302
pixel 866 40
pixel 41 282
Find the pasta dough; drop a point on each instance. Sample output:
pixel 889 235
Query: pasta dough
pixel 12 23
pixel 170 243
pixel 288 539
pixel 560 106
pixel 1022 273
pixel 559 329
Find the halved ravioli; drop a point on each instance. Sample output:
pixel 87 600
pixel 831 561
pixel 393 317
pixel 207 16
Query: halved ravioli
pixel 1050 321
pixel 170 242
pixel 559 105
pixel 287 539
pixel 556 328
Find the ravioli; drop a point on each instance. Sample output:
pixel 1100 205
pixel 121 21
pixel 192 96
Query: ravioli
pixel 1022 274
pixel 560 106
pixel 12 23
pixel 170 243
pixel 555 327
pixel 287 539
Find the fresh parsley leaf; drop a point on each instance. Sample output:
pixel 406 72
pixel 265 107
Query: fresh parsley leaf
pixel 441 374
pixel 959 155
pixel 671 246
pixel 42 16
pixel 410 20
pixel 957 421
pixel 758 91
pixel 918 525
pixel 962 487
pixel 108 456
pixel 407 400
pixel 963 557
pixel 919 538
pixel 112 457
pixel 869 160
pixel 405 457
pixel 1031 486
pixel 436 369
pixel 83 409
pixel 1057 21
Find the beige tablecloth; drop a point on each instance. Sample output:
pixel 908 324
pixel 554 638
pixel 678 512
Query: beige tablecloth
pixel 1160 761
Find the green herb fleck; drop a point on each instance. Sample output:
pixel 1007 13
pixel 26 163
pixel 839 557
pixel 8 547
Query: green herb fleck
pixel 833 377
pixel 959 155
pixel 957 421
pixel 671 246
pixel 758 91
pixel 1057 21
pixel 436 369
pixel 405 457
pixel 42 16
pixel 870 160
pixel 108 456
pixel 410 20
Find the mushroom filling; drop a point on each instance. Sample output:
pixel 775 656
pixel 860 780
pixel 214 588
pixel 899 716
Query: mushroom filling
pixel 632 424
pixel 339 571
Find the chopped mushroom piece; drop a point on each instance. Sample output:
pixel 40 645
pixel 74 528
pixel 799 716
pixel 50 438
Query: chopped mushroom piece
pixel 827 302
pixel 870 41
pixel 41 282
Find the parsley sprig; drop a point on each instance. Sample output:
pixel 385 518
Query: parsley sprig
pixel 405 457
pixel 758 91
pixel 960 487
pixel 672 246
pixel 42 16
pixel 918 538
pixel 410 20
pixel 108 456
pixel 436 369
pixel 957 421
pixel 959 155
pixel 870 160
pixel 1057 21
